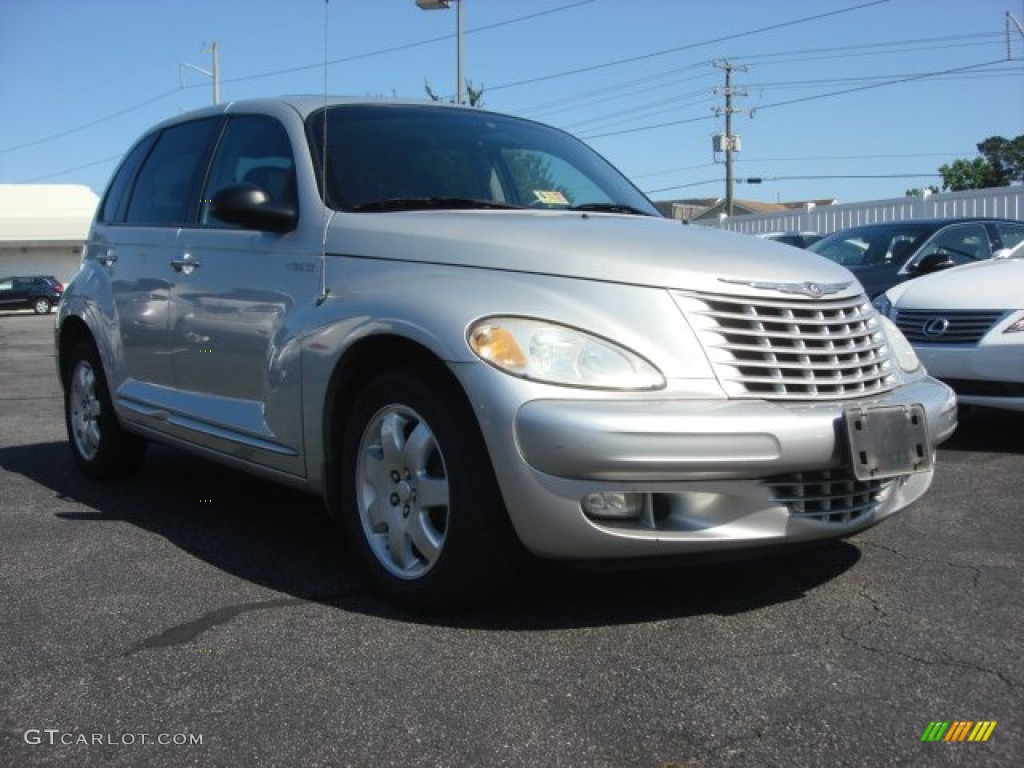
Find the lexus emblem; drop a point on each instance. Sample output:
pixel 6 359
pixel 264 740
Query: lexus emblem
pixel 935 326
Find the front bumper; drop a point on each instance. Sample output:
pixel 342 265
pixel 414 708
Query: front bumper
pixel 713 475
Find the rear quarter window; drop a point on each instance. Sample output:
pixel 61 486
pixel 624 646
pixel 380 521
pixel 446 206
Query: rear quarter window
pixel 116 199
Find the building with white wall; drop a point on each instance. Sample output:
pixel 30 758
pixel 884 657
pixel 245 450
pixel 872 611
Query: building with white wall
pixel 43 227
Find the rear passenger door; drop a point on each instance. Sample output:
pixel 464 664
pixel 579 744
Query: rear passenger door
pixel 136 243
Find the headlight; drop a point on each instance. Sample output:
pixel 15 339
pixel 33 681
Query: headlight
pixel 1015 327
pixel 901 348
pixel 557 354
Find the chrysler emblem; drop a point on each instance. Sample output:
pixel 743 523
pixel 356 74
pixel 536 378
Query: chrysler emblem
pixel 813 290
pixel 935 326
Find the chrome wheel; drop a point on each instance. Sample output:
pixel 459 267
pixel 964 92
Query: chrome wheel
pixel 84 410
pixel 41 306
pixel 402 492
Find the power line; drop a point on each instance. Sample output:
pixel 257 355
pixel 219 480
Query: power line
pixel 406 46
pixel 92 123
pixel 110 159
pixel 164 95
pixel 898 81
pixel 804 178
pixel 677 49
pixel 909 79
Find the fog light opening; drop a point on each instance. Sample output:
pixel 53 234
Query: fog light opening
pixel 613 505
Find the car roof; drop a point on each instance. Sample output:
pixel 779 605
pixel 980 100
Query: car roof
pixel 305 105
pixel 922 223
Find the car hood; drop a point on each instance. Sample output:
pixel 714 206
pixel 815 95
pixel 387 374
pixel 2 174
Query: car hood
pixel 995 284
pixel 615 248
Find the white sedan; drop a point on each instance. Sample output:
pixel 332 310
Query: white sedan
pixel 967 326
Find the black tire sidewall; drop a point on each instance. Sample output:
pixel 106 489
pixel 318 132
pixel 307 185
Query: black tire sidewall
pixel 480 549
pixel 119 453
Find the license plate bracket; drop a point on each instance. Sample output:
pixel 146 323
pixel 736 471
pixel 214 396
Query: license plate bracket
pixel 886 441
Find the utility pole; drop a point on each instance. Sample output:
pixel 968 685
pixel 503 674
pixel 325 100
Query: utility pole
pixel 729 142
pixel 214 73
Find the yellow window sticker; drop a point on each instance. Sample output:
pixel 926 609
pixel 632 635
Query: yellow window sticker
pixel 550 197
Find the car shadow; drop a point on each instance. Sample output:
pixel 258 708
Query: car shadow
pixel 988 430
pixel 281 539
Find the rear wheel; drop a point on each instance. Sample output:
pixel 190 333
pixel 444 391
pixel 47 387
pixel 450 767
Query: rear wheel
pixel 41 306
pixel 420 502
pixel 99 446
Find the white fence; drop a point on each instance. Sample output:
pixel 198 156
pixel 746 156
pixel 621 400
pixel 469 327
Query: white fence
pixel 998 202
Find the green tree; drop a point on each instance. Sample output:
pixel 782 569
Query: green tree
pixel 1001 163
pixel 474 96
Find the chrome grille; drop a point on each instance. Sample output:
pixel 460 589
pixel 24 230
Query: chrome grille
pixel 922 326
pixel 791 349
pixel 828 496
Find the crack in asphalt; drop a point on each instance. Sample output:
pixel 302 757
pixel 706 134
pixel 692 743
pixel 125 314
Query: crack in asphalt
pixel 880 613
pixel 181 634
pixel 975 570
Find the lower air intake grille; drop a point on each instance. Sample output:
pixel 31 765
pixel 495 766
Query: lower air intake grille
pixel 828 496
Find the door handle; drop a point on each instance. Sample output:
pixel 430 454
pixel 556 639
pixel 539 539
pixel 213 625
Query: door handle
pixel 186 265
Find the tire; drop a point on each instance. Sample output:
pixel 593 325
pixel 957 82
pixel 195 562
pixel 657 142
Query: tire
pixel 100 448
pixel 420 504
pixel 41 306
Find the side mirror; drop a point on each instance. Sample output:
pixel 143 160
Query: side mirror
pixel 251 207
pixel 933 262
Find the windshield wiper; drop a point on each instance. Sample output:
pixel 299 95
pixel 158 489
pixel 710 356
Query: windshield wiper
pixel 429 204
pixel 609 208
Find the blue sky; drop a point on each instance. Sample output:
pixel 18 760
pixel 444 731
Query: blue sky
pixel 80 80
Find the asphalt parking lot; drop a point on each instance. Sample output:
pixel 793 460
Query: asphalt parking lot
pixel 196 616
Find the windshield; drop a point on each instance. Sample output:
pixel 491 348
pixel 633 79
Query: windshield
pixel 389 157
pixel 867 246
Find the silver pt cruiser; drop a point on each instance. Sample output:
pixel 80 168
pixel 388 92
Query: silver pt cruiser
pixel 475 338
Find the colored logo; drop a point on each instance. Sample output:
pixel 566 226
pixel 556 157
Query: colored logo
pixel 958 730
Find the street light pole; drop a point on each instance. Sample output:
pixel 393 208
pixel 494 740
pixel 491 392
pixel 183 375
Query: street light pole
pixel 439 5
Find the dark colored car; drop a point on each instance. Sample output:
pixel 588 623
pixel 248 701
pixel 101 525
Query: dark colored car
pixel 882 255
pixel 796 239
pixel 40 293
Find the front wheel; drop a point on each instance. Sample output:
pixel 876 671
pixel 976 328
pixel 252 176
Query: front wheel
pixel 99 446
pixel 420 503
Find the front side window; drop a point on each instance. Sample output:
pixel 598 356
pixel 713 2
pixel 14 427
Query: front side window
pixel 167 184
pixel 397 157
pixel 961 244
pixel 1010 235
pixel 254 149
pixel 871 246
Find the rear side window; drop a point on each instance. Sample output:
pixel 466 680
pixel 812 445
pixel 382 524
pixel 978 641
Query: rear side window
pixel 170 177
pixel 116 200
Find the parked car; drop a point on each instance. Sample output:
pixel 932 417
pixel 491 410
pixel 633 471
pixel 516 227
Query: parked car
pixel 40 293
pixel 473 337
pixel 967 325
pixel 796 239
pixel 882 255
